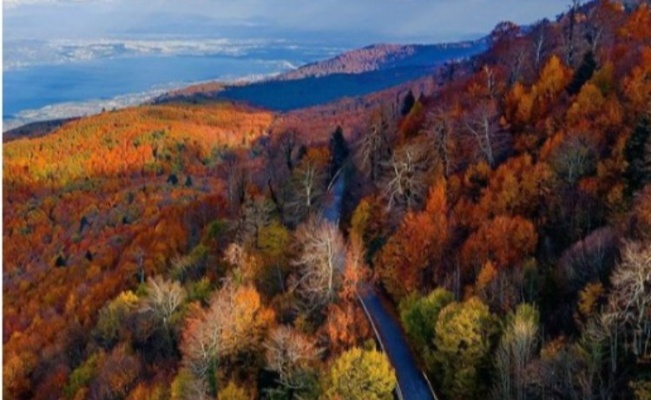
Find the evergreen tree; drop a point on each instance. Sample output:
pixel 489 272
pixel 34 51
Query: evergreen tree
pixel 338 150
pixel 583 73
pixel 638 155
pixel 407 103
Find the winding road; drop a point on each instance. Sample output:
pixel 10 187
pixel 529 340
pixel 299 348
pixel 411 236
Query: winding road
pixel 411 381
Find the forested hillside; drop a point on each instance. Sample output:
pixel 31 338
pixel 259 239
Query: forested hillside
pixel 386 56
pixel 508 214
pixel 353 74
pixel 178 251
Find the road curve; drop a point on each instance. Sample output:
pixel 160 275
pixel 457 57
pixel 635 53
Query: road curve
pixel 410 379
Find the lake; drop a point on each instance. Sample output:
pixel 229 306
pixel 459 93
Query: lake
pixel 42 92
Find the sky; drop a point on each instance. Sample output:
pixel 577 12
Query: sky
pixel 38 34
pixel 358 20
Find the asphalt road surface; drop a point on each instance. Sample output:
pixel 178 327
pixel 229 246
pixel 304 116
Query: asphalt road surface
pixel 410 379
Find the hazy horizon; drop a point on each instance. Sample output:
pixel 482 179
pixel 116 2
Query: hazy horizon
pixel 371 20
pixel 264 36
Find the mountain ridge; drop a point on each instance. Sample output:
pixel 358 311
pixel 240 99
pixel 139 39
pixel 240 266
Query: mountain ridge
pixel 354 73
pixel 385 56
pixel 503 206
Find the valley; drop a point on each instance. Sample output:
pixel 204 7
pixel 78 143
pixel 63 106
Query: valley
pixel 475 216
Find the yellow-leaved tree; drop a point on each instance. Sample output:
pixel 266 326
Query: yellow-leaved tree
pixel 360 375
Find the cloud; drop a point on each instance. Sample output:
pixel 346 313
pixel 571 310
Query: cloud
pixel 78 109
pixel 10 4
pixel 20 54
pixel 18 3
pixel 376 19
pixel 72 109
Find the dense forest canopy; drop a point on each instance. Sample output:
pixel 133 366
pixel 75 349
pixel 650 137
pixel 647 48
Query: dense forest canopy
pixel 179 251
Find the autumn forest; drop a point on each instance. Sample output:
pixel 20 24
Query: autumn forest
pixel 500 209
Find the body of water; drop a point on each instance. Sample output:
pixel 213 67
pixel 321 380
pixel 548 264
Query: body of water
pixel 42 92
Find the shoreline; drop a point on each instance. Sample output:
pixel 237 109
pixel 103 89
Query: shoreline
pixel 158 93
pixel 65 111
pixel 34 129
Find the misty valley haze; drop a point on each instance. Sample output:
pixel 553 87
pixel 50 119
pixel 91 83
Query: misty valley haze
pixel 60 55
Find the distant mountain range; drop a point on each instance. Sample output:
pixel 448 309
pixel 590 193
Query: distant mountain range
pixel 386 57
pixel 350 74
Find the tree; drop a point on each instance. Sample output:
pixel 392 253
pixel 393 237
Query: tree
pixel 293 356
pixel 638 25
pixel 638 156
pixel 641 389
pixel 338 151
pixel 83 375
pixel 407 103
pixel 570 37
pixel 406 180
pixel 504 240
pixel 274 243
pixel 117 375
pixel 360 375
pixel 636 85
pixel 139 257
pixel 588 305
pixel 583 73
pixel 508 48
pixel 356 271
pixel 515 352
pixel 439 128
pixel 172 179
pixel 308 184
pixel 482 123
pixel 602 24
pixel 375 145
pixel 419 316
pixel 186 386
pixel 630 299
pixel 463 339
pixel 504 31
pixel 246 266
pixel 235 322
pixel 112 319
pixel 233 392
pixel 283 154
pixel 418 243
pixel 517 187
pixel 540 42
pixel 591 351
pixel 191 265
pixel 552 81
pixel 289 145
pixel 642 214
pixel 557 370
pixel 370 221
pixel 237 178
pixel 501 289
pixel 255 214
pixel 320 257
pixel 163 301
pixel 411 124
pixel 402 261
pixel 591 105
pixel 589 260
pixel 345 326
